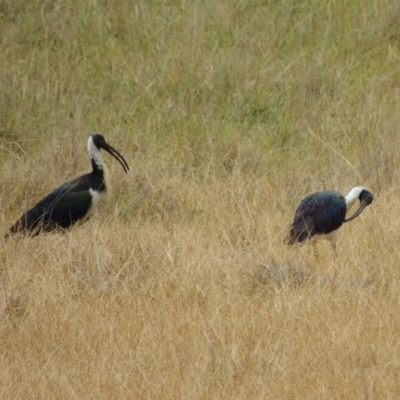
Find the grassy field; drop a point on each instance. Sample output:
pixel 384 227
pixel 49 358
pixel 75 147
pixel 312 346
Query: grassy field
pixel 181 285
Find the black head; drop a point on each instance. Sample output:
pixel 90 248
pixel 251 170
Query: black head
pixel 100 143
pixel 98 140
pixel 366 198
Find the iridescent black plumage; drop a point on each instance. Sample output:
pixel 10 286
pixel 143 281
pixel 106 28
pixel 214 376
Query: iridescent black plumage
pixel 323 213
pixel 72 202
pixel 318 213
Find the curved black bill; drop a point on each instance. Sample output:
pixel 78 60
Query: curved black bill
pixel 366 199
pixel 118 156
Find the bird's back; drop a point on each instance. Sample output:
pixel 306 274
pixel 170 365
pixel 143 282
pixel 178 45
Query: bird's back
pixel 61 208
pixel 318 213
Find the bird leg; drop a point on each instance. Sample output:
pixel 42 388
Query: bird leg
pixel 333 244
pixel 314 243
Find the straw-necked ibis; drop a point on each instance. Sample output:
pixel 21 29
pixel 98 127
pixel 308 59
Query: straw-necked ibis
pixel 321 214
pixel 73 202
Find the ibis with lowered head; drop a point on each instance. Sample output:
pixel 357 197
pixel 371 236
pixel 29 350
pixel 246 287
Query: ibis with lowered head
pixel 74 202
pixel 321 214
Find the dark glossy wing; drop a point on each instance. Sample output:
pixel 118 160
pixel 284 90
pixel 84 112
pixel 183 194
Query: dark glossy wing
pixel 318 213
pixel 63 207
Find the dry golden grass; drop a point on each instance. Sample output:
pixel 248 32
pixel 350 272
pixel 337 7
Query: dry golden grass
pixel 181 286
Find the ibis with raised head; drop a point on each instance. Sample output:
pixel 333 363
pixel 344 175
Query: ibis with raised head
pixel 74 202
pixel 321 214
